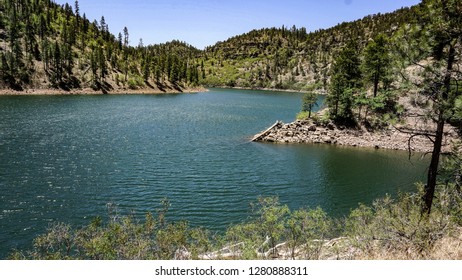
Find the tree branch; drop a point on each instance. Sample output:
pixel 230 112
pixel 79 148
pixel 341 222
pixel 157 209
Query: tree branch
pixel 414 133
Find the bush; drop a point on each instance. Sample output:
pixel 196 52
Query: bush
pixel 260 236
pixel 389 229
pixel 303 115
pixel 398 229
pixel 321 118
pixel 135 82
pixel 122 238
pixel 306 231
pixel 276 232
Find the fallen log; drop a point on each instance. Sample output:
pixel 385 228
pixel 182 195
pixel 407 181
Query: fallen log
pixel 261 135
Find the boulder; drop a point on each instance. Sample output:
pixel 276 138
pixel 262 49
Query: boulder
pixel 331 126
pixel 312 127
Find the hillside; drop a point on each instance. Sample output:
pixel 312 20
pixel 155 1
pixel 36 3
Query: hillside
pixel 291 58
pixel 47 46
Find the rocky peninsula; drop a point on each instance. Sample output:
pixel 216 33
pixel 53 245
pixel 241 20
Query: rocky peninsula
pixel 393 137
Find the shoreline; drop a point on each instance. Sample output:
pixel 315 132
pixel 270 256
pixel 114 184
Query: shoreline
pixel 319 92
pixel 305 131
pixel 90 91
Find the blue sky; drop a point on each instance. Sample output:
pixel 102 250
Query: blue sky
pixel 202 23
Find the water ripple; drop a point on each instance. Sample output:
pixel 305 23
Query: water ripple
pixel 64 158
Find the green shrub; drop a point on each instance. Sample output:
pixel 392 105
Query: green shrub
pixel 388 229
pixel 321 118
pixel 135 82
pixel 303 115
pixel 307 229
pixel 398 228
pixel 122 238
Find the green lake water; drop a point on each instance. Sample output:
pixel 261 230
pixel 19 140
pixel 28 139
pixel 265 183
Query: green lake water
pixel 66 158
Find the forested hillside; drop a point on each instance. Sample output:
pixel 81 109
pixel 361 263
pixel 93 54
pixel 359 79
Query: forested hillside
pixel 45 45
pixel 291 58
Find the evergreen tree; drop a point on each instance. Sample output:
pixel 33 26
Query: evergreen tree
pixel 5 70
pixel 104 28
pixel 377 62
pixel 101 57
pixel 309 101
pixel 125 52
pixel 77 14
pixel 57 67
pixel 345 83
pixel 126 38
pixel 86 25
pixel 445 18
pixel 94 60
pixel 119 41
pixel 146 68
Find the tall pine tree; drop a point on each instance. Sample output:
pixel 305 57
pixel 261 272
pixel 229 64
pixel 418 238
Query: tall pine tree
pixel 376 64
pixel 445 27
pixel 345 83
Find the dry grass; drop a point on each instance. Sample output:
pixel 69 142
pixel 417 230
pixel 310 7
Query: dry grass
pixel 448 248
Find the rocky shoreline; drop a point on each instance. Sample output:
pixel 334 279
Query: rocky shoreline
pixel 90 91
pixel 306 131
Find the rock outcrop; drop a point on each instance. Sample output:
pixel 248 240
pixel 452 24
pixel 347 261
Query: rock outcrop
pixel 306 131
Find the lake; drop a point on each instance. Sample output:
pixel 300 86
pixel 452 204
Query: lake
pixel 70 158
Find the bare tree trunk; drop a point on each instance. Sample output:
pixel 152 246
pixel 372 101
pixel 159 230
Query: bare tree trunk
pixel 376 84
pixel 429 190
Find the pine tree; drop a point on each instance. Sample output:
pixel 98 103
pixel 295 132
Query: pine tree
pixel 126 41
pixel 377 62
pixel 85 22
pixel 345 83
pixel 445 18
pixel 101 57
pixel 437 38
pixel 125 52
pixel 309 101
pixel 77 15
pixel 5 75
pixel 146 68
pixel 104 28
pixel 57 66
pixel 119 41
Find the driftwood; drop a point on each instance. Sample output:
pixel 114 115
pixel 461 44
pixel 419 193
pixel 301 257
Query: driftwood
pixel 261 135
pixel 338 248
pixel 229 252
